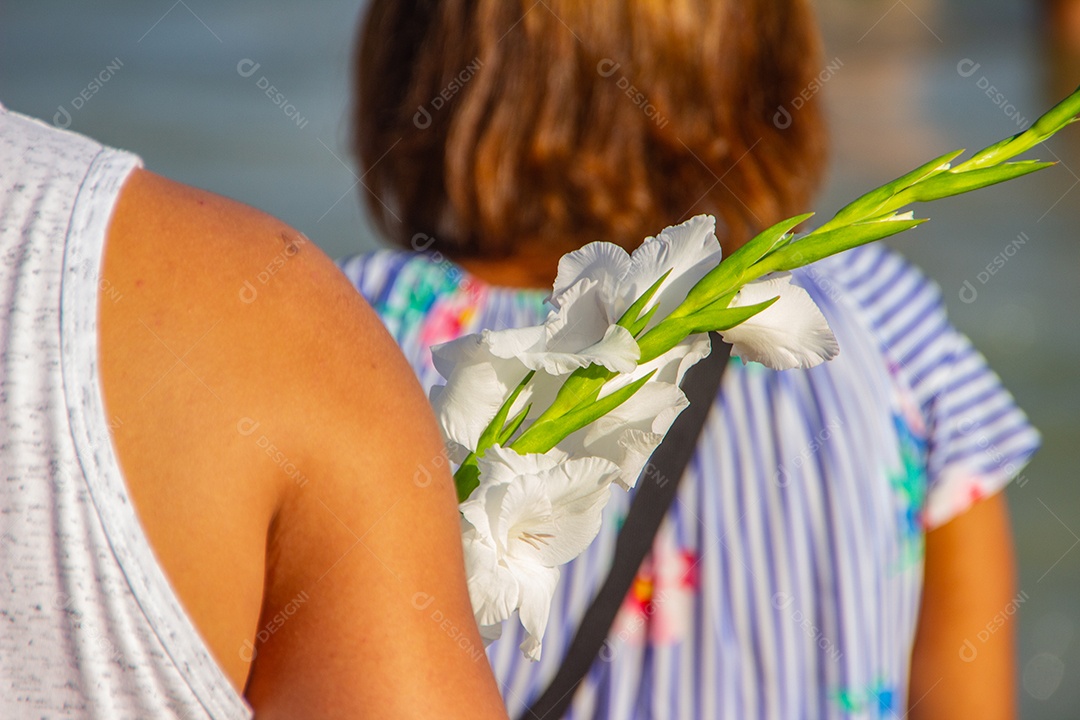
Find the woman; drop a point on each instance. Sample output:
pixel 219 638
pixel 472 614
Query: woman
pixel 207 456
pixel 820 559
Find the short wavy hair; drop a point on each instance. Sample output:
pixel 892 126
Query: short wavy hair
pixel 488 123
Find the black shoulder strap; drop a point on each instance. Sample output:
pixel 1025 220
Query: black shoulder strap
pixel 655 493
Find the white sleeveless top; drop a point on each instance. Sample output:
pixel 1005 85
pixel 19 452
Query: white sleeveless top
pixel 89 625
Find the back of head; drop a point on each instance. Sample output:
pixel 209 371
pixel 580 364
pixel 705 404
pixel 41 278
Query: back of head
pixel 486 123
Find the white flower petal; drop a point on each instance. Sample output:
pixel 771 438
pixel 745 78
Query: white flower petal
pixel 603 262
pixel 472 396
pixel 541 509
pixel 503 465
pixel 575 335
pixel 515 342
pixel 530 514
pixel 630 433
pixel 689 251
pixel 493 589
pixel 579 490
pixel 689 352
pixel 617 350
pixel 490 633
pixel 792 333
pixel 587 323
pixel 537 589
pixel 637 447
pixel 525 518
pixel 670 367
pixel 466 349
pixel 474 510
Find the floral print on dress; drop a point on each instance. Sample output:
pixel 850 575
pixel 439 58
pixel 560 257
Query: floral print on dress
pixel 405 306
pixel 909 484
pixel 434 302
pixel 451 317
pixel 877 700
pixel 659 607
pixel 957 490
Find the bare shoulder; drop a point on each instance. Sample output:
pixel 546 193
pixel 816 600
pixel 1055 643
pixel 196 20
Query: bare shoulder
pixel 274 308
pixel 241 349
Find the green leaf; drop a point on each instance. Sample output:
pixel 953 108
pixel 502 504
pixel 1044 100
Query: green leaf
pixel 630 317
pixel 871 203
pixel 494 430
pixel 818 245
pixel 663 337
pixel 514 425
pixel 643 321
pixel 1049 123
pixel 541 437
pixel 728 275
pixel 467 478
pixel 581 383
pixel 949 184
pixel 716 319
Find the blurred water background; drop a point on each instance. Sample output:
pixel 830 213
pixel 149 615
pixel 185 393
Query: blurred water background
pixel 184 84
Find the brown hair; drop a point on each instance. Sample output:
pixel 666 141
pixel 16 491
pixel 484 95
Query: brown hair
pixel 485 122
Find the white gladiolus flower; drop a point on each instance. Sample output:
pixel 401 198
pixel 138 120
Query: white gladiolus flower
pixel 594 287
pixel 630 433
pixel 531 514
pixel 791 333
pixel 477 383
pixel 561 345
pixel 689 251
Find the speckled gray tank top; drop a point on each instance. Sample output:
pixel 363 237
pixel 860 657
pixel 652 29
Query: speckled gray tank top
pixel 89 625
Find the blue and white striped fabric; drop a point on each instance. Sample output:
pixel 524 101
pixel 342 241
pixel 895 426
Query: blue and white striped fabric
pixel 785 581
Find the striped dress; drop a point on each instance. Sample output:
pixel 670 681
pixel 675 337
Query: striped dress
pixel 785 581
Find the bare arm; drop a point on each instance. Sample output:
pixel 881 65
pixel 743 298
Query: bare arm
pixel 271 422
pixel 369 542
pixel 963 661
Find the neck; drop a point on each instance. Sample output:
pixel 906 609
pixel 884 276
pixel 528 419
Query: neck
pixel 528 269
